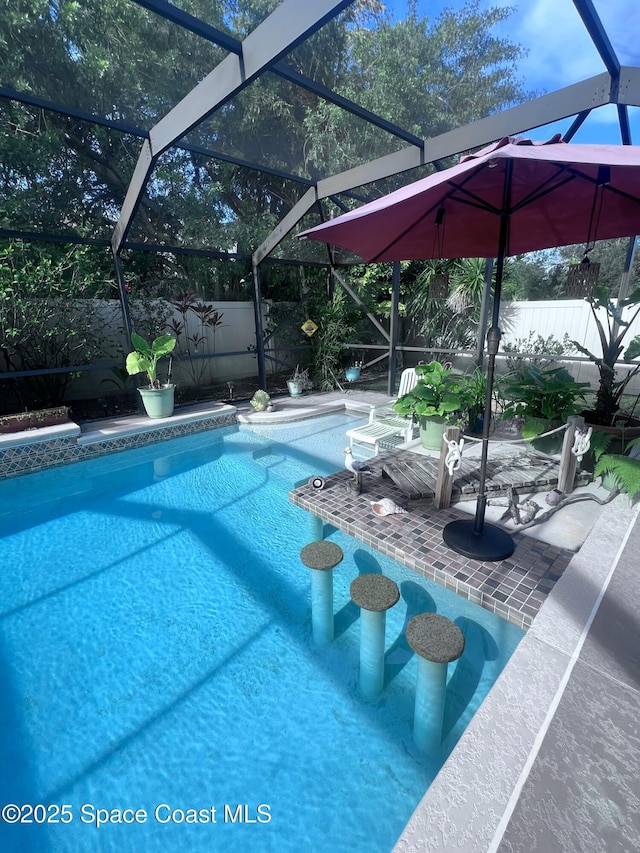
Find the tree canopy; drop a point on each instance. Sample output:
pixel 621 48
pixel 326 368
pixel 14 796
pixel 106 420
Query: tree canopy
pixel 117 60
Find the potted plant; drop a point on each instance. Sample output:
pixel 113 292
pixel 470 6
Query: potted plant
pixel 473 389
pixel 352 373
pixel 20 421
pixel 299 382
pixel 261 401
pixel 158 399
pixel 618 470
pixel 431 402
pixel 545 399
pixel 612 330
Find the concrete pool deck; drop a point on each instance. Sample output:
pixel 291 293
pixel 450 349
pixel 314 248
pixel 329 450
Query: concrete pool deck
pixel 549 761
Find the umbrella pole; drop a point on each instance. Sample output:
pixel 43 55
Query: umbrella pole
pixel 472 537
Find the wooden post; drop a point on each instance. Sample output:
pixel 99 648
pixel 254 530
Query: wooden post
pixel 444 483
pixel 568 461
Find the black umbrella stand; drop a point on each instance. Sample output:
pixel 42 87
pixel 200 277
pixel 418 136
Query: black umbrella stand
pixel 472 537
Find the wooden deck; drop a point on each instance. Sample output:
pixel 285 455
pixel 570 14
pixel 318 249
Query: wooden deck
pixel 525 471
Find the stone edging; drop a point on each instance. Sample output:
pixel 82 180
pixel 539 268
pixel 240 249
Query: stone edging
pixel 26 453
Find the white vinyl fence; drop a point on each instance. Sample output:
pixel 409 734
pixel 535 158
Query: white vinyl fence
pixel 570 316
pixel 236 333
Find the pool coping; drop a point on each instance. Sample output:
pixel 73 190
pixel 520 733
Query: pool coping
pixel 35 450
pixel 499 787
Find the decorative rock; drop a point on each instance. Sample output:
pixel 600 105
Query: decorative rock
pixel 354 487
pixel 374 594
pixel 322 557
pixel 554 497
pixel 437 641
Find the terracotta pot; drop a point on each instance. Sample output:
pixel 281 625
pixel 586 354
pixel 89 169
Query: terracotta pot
pixel 623 432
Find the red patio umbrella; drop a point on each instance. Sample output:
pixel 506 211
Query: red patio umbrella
pixel 512 197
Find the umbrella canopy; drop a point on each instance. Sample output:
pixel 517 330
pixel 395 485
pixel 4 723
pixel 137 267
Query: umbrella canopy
pixel 551 193
pixel 512 197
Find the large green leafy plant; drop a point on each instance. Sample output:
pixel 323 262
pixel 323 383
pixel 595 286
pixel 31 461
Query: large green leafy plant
pixel 52 316
pixel 623 469
pixel 335 320
pixel 144 358
pixel 542 396
pixel 436 394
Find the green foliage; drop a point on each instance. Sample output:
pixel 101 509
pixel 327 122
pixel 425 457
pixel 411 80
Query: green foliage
pixel 534 276
pixel 623 468
pixel 443 324
pixel 195 332
pixel 335 318
pixel 50 316
pixel 542 395
pixel 436 394
pixel 472 388
pixel 428 76
pixel 538 351
pixel 612 325
pixel 144 358
pixel 116 58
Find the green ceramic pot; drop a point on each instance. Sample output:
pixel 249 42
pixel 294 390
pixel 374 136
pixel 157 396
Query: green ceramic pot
pixel 550 445
pixel 158 402
pixel 431 431
pixel 295 388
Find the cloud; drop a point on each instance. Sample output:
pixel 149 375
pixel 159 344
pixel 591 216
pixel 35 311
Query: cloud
pixel 560 50
pixel 561 53
pixel 621 20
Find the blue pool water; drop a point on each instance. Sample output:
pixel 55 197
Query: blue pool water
pixel 156 653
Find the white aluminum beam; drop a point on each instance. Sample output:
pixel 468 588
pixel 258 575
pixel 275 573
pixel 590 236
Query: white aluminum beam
pixel 583 96
pixel 629 87
pixel 287 26
pixel 383 167
pixel 134 194
pixel 287 224
pixel 587 94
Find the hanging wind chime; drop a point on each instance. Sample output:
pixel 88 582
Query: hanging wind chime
pixel 439 281
pixel 582 278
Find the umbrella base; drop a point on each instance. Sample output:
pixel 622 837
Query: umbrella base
pixel 491 544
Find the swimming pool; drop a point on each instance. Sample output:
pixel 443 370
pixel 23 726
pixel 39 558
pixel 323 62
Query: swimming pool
pixel 156 656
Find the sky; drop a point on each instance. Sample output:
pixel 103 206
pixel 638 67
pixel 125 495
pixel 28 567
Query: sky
pixel 561 52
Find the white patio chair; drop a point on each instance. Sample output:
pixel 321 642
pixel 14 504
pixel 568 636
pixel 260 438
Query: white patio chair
pixel 386 428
